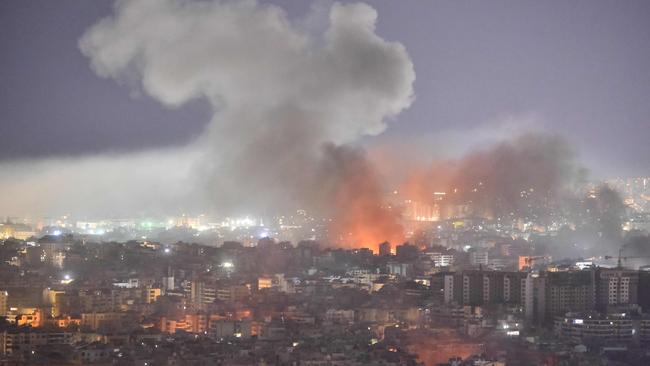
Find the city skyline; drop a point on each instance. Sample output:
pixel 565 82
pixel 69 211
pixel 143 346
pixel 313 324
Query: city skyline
pixel 325 183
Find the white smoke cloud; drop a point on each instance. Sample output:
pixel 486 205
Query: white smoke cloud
pixel 279 93
pixel 247 56
pixel 111 185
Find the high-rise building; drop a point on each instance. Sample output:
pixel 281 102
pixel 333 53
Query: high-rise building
pixel 483 287
pixel 570 291
pixel 643 290
pixel 552 294
pixel 384 249
pixel 202 293
pixel 4 295
pixel 616 287
pixel 534 293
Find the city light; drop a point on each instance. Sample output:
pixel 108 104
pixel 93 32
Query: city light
pixel 325 183
pixel 67 279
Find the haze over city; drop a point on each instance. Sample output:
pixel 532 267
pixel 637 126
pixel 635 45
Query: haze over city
pixel 390 149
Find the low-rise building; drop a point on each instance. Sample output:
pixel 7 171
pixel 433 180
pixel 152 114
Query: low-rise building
pixel 593 328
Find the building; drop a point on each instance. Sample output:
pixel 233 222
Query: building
pixel 399 269
pixel 17 231
pixel 233 293
pixel 103 321
pixel 477 287
pixel 384 249
pixel 596 329
pixel 33 317
pixel 421 211
pixel 534 293
pixel 643 298
pixel 616 287
pixel 24 339
pixel 168 283
pixel 407 252
pixel 203 293
pixel 479 258
pixel 152 294
pixel 441 259
pixel 4 296
pixel 221 328
pixel 570 291
pixel 93 353
pixel 264 282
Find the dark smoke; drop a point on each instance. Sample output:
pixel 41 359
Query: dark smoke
pixel 636 250
pixel 605 210
pixel 286 102
pixel 353 196
pixel 597 217
pixel 280 90
pixel 528 177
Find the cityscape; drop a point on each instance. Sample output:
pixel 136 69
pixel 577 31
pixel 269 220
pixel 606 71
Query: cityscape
pixel 220 182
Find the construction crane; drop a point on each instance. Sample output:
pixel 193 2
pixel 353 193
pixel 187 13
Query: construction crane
pixel 622 258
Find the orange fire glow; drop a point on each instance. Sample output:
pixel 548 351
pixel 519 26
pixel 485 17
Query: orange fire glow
pixel 362 218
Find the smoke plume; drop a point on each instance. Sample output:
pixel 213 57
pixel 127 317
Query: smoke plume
pixel 636 250
pixel 286 102
pixel 526 177
pixel 291 99
pixel 356 198
pixel 602 212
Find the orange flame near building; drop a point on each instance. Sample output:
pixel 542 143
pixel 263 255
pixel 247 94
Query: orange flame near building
pixel 361 217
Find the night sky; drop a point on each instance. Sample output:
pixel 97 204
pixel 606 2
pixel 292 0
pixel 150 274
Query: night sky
pixel 577 68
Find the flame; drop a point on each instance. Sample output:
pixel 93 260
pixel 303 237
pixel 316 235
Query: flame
pixel 362 218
